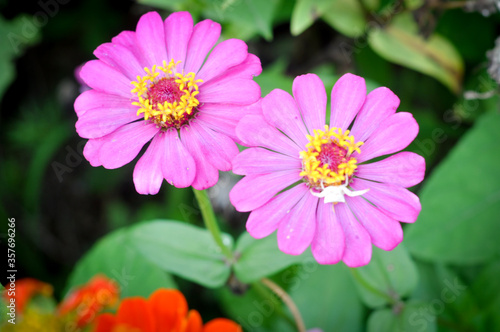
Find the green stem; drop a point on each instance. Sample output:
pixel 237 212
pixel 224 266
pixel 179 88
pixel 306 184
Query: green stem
pixel 210 221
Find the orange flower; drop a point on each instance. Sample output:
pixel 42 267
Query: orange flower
pixel 85 302
pixel 24 290
pixel 166 310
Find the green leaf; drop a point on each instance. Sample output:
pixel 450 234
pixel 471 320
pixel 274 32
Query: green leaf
pixel 255 310
pixel 326 297
pixel 346 16
pixel 413 4
pixel 114 257
pixel 260 258
pixel 411 317
pixel 390 276
pixel 182 249
pixel 305 13
pixel 400 43
pixel 486 288
pixel 461 201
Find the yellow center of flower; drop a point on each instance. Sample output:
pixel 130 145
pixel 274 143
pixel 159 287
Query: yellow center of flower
pixel 327 160
pixel 166 97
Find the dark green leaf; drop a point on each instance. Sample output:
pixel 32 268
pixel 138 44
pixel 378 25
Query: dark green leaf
pixel 389 276
pixel 182 249
pixel 260 258
pixel 116 258
pixel 326 297
pixel 399 42
pixel 407 317
pixel 461 201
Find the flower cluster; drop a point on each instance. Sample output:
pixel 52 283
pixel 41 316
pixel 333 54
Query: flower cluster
pixel 318 184
pixel 165 310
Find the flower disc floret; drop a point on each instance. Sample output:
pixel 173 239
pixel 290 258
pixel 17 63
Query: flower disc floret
pixel 166 97
pixel 327 160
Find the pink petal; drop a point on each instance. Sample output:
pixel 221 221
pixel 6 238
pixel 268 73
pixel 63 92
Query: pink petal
pixel 220 149
pixel 253 191
pixel 358 247
pixel 129 40
pixel 379 104
pixel 385 232
pixel 91 151
pixel 120 58
pixel 280 111
pixel 348 95
pixel 227 54
pixel 224 118
pixel 205 35
pixel 151 39
pixel 91 99
pixel 404 169
pixel 178 29
pixel 206 174
pixel 328 243
pixel 394 134
pixel 178 166
pixel 102 77
pixel 123 145
pixel 147 172
pixel 310 95
pixel 248 69
pixel 397 202
pixel 221 124
pixel 253 130
pixel 231 91
pixel 265 219
pixel 98 122
pixel 296 231
pixel 262 161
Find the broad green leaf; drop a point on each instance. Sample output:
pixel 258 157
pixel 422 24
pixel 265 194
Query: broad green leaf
pixel 404 317
pixel 305 13
pixel 255 310
pixel 413 4
pixel 182 249
pixel 246 18
pixel 116 258
pixel 486 288
pixel 461 201
pixel 389 276
pixel 399 42
pixel 326 297
pixel 260 258
pixel 346 16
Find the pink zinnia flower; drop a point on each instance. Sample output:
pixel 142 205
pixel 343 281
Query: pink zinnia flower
pixel 157 84
pixel 313 182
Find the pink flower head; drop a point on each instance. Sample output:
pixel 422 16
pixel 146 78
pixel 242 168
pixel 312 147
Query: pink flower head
pixel 313 182
pixel 157 84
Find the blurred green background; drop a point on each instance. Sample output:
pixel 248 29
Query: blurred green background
pixel 438 56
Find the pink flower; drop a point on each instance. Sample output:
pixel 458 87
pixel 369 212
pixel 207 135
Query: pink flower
pixel 157 84
pixel 312 182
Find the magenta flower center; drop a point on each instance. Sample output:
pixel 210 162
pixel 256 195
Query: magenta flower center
pixel 165 90
pixel 327 159
pixel 332 156
pixel 166 97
